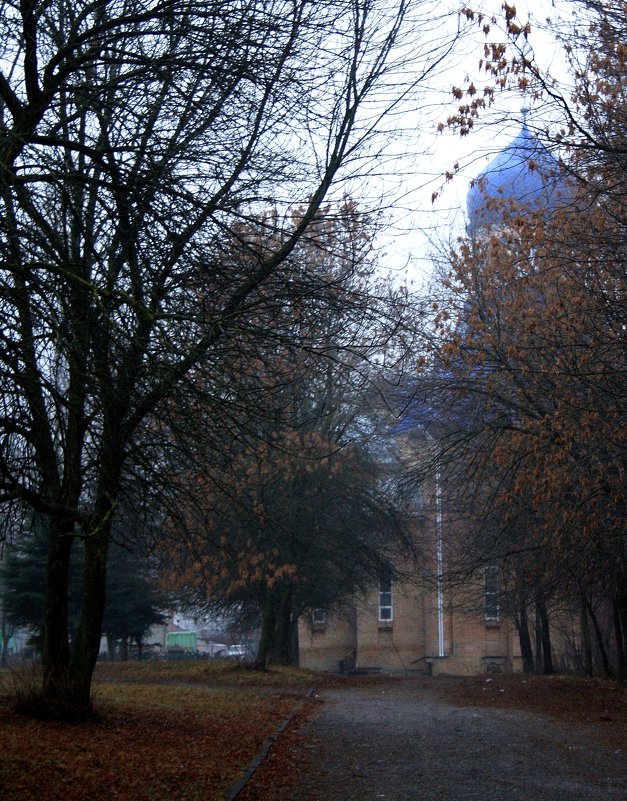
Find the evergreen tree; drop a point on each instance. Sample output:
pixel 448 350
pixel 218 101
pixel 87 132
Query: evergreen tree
pixel 133 600
pixel 132 604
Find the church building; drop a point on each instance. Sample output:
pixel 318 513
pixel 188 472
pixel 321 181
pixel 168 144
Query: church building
pixel 420 624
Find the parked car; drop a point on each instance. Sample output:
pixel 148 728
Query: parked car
pixel 233 652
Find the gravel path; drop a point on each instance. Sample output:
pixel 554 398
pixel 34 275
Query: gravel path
pixel 399 743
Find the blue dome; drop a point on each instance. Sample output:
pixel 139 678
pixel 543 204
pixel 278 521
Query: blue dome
pixel 524 176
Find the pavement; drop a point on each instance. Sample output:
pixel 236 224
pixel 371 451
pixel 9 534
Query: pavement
pixel 398 742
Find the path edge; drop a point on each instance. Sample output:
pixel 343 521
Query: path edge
pixel 236 788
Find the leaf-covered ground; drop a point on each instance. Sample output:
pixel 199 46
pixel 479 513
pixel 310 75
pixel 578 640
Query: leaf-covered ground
pixel 597 703
pixel 164 732
pixel 179 731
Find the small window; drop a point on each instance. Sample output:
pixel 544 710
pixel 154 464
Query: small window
pixel 492 611
pixel 385 598
pixel 319 616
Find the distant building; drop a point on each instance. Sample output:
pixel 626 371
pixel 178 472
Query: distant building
pixel 524 177
pixel 421 624
pixel 415 625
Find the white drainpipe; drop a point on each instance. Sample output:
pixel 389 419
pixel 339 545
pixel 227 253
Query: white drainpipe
pixel 439 553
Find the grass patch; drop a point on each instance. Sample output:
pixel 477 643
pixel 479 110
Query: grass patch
pixel 218 672
pixel 159 735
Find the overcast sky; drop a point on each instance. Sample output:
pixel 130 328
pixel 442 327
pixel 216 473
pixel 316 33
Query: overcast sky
pixel 420 221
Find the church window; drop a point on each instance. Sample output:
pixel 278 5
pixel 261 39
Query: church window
pixel 492 611
pixel 385 597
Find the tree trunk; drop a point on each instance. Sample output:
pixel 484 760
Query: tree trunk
pixel 586 643
pixel 111 647
pixel 539 660
pixel 524 637
pixel 547 658
pixel 618 611
pixel 87 641
pixel 605 662
pixel 622 610
pixel 268 627
pixel 7 633
pixel 281 652
pixel 56 650
pixel 294 646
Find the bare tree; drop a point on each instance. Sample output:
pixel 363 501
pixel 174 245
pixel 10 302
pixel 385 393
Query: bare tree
pixel 135 139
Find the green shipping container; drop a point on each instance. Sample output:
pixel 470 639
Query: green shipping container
pixel 185 640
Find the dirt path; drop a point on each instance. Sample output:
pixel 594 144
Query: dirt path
pixel 398 742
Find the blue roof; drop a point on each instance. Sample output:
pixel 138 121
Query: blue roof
pixel 524 176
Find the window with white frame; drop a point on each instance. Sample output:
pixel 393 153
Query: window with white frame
pixel 491 593
pixel 319 616
pixel 386 609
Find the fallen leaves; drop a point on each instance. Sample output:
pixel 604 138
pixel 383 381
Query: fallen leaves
pixel 150 742
pixel 598 702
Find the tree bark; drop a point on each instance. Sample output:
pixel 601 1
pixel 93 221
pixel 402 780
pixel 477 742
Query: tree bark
pixel 618 610
pixel 7 633
pixel 539 659
pixel 586 643
pixel 268 627
pixel 56 650
pixel 605 662
pixel 87 641
pixel 547 657
pixel 524 637
pixel 281 652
